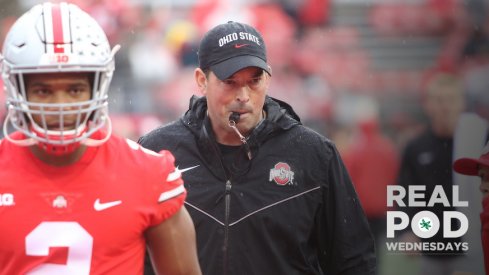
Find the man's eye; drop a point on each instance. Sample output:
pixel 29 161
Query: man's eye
pixel 77 91
pixel 41 92
pixel 229 82
pixel 256 80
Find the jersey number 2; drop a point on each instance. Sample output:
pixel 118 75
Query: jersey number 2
pixel 61 234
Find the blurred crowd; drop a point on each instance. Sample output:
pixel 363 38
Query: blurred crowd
pixel 320 64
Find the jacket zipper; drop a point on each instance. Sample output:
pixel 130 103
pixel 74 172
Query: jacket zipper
pixel 227 202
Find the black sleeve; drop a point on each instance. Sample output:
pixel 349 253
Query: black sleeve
pixel 346 242
pixel 150 141
pixel 148 267
pixel 407 177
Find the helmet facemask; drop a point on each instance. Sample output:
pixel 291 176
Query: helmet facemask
pixel 88 52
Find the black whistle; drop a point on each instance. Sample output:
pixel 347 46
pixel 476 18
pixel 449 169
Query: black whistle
pixel 234 117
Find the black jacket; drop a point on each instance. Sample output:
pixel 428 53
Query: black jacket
pixel 427 160
pixel 291 209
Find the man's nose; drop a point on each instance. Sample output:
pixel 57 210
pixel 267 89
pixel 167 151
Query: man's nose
pixel 243 93
pixel 59 97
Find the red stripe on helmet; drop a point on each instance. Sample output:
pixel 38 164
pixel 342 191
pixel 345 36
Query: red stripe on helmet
pixel 58 39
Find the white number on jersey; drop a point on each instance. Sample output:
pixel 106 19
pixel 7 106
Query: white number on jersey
pixel 61 234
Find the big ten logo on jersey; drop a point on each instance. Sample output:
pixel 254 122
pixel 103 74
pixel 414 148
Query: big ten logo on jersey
pixel 425 223
pixel 6 199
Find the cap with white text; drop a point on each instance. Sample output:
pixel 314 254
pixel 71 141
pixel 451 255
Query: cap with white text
pixel 230 47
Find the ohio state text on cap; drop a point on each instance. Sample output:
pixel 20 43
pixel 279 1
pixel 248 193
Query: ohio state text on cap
pixel 230 47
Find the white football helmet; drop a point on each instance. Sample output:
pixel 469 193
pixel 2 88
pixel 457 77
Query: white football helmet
pixel 56 38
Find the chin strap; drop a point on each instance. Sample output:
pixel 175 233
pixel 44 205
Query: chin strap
pixel 30 141
pixel 97 142
pixel 18 142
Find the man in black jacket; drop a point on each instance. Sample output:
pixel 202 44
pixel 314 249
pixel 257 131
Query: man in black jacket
pixel 427 161
pixel 266 194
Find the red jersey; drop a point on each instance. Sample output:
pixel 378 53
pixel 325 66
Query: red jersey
pixel 85 218
pixel 372 163
pixel 485 232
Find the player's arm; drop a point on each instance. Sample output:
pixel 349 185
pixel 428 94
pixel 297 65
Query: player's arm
pixel 172 245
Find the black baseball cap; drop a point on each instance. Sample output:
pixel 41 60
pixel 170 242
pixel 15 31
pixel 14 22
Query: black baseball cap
pixel 230 47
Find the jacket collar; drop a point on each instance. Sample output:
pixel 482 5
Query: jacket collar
pixel 280 117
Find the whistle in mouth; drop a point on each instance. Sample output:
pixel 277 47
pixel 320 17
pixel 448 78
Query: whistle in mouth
pixel 234 117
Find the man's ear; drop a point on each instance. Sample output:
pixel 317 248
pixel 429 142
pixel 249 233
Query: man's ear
pixel 201 80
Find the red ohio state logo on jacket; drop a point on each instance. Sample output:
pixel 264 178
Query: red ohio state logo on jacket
pixel 281 174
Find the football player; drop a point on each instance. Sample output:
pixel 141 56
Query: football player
pixel 479 167
pixel 75 199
